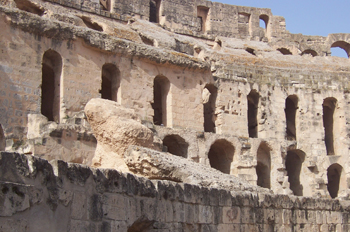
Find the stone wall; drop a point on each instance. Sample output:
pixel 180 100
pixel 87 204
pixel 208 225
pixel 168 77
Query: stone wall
pixel 38 196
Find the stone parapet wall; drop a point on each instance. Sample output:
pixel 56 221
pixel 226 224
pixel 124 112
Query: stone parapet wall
pixel 38 196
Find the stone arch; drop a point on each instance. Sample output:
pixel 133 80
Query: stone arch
pixel 203 18
pixel 161 87
pixel 290 110
pixel 343 45
pixel 110 82
pixel 329 105
pixel 176 145
pixel 2 139
pixel 284 51
pixel 294 161
pixel 154 11
pixel 50 85
pixel 221 155
pixel 209 104
pixel 310 52
pixel 263 167
pixel 334 174
pixel 265 18
pixel 253 102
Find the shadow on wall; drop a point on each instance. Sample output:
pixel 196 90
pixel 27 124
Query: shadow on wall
pixel 221 155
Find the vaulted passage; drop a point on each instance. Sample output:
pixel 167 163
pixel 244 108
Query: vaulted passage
pixel 154 11
pixel 294 162
pixel 263 167
pixel 333 174
pixel 110 82
pixel 209 104
pixel 161 86
pixel 343 45
pixel 2 139
pixel 264 22
pixel 50 86
pixel 290 112
pixel 309 52
pixel 329 105
pixel 284 51
pixel 176 145
pixel 253 102
pixel 221 155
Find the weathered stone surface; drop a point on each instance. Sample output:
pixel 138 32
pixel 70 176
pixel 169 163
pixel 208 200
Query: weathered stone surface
pixel 158 165
pixel 115 128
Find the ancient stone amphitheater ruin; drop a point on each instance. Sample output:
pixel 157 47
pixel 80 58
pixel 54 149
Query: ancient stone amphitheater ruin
pixel 169 115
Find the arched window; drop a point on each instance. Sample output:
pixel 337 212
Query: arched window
pixel 2 139
pixel 310 52
pixel 264 22
pixel 176 145
pixel 263 168
pixel 161 86
pixel 284 51
pixel 329 105
pixel 221 155
pixel 110 82
pixel 334 173
pixel 294 161
pixel 50 85
pixel 203 18
pixel 342 45
pixel 154 11
pixel 290 112
pixel 253 102
pixel 209 103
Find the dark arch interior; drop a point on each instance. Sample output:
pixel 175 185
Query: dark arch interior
pixel 221 155
pixel 329 105
pixel 2 139
pixel 333 174
pixel 154 11
pixel 253 102
pixel 176 145
pixel 293 166
pixel 110 82
pixel 263 167
pixel 290 112
pixel 161 87
pixel 284 51
pixel 309 51
pixel 50 86
pixel 209 109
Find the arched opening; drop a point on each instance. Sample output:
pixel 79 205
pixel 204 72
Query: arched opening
pixel 110 82
pixel 334 173
pixel 50 85
pixel 2 139
pixel 263 167
pixel 221 155
pixel 161 86
pixel 176 145
pixel 244 24
pixel 284 51
pixel 154 11
pixel 329 105
pixel 294 161
pixel 264 21
pixel 203 18
pixel 253 102
pixel 309 52
pixel 290 112
pixel 209 103
pixel 342 45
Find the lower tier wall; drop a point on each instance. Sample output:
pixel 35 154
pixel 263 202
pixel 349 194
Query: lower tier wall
pixel 38 196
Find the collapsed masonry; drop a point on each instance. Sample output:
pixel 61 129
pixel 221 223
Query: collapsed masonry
pixel 197 79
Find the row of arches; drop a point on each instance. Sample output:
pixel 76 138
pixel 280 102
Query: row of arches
pixel 221 154
pixel 291 106
pixel 51 84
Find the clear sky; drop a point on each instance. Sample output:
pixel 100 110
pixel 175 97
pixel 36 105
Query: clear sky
pixel 308 17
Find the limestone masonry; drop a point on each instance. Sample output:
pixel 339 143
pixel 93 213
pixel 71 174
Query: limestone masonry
pixel 169 115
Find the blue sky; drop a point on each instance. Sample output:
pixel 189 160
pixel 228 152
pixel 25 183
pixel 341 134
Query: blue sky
pixel 309 17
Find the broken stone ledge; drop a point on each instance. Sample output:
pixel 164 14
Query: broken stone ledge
pixel 36 195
